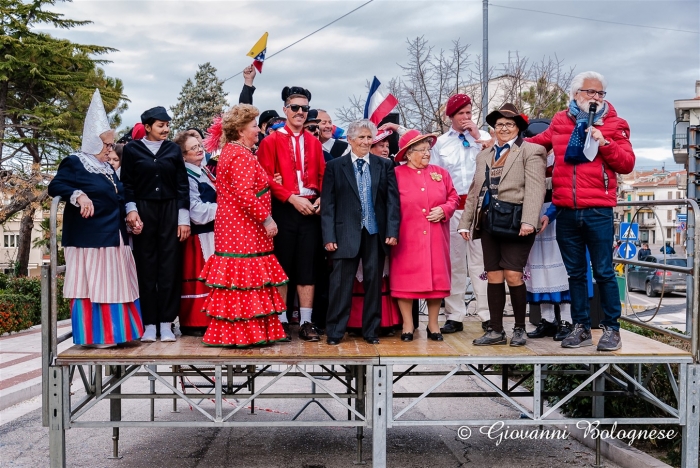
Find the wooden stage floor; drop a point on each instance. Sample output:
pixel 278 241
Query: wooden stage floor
pixel 355 351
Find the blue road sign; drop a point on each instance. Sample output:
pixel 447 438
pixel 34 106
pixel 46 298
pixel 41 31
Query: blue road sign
pixel 627 250
pixel 629 232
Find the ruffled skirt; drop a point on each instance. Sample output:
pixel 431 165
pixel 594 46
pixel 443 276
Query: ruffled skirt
pixel 244 301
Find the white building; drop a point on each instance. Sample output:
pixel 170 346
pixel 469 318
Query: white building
pixel 657 223
pixel 9 235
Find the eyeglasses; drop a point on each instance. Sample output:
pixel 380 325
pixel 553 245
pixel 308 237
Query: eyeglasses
pixel 312 128
pixel 464 140
pixel 593 92
pixel 110 146
pixel 296 107
pixel 422 151
pixel 195 147
pixel 508 125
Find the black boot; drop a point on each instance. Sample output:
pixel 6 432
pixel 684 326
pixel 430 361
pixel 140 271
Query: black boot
pixel 545 328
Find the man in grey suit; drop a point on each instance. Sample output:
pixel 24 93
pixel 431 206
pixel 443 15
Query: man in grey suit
pixel 359 221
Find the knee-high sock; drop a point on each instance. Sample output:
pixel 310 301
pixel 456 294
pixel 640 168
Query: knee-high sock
pixel 518 297
pixel 547 312
pixel 496 293
pixel 565 312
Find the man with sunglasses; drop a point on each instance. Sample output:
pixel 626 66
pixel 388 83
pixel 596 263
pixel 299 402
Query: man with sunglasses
pixel 456 152
pixel 294 154
pixel 584 184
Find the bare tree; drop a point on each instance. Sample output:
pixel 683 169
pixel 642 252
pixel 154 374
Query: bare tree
pixel 430 77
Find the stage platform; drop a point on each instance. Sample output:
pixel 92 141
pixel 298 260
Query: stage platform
pixel 360 380
pixel 355 351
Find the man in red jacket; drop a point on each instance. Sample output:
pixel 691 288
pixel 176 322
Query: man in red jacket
pixel 297 156
pixel 584 192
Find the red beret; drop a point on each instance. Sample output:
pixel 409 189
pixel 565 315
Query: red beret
pixel 455 103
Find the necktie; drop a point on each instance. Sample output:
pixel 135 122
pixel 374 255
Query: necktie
pixel 501 149
pixel 360 165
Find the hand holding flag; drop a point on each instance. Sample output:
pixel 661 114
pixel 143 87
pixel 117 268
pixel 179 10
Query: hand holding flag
pixel 258 52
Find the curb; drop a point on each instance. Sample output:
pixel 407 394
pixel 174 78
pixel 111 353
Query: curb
pixel 19 393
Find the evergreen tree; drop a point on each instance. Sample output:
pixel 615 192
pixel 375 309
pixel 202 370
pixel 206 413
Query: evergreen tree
pixel 45 89
pixel 199 101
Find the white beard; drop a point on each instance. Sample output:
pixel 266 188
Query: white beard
pixel 585 104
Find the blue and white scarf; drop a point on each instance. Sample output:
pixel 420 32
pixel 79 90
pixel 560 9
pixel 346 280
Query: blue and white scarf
pixel 574 150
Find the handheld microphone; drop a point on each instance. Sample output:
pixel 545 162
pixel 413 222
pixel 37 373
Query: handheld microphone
pixel 591 113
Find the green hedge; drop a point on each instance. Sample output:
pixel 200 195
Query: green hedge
pixel 15 312
pixel 31 288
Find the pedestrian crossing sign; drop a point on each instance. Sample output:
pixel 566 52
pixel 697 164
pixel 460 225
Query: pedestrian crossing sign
pixel 629 232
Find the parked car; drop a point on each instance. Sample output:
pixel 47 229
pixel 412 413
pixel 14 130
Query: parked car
pixel 652 280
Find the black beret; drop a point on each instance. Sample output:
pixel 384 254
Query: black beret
pixel 312 116
pixel 267 115
pixel 201 133
pixel 295 90
pixel 156 113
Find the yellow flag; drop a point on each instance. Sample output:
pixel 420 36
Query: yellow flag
pixel 258 52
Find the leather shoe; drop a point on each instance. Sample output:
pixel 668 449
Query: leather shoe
pixel 544 328
pixel 372 340
pixel 406 336
pixel 434 336
pixel 288 335
pixel 307 332
pixel 452 326
pixel 332 342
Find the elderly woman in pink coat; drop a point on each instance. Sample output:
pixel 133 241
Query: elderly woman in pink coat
pixel 420 263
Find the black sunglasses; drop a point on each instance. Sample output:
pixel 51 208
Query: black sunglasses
pixel 296 107
pixel 312 128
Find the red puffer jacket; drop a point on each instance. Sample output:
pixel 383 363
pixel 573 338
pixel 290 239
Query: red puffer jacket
pixel 591 184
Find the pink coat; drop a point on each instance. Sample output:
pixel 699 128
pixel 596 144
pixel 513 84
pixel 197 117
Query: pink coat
pixel 420 263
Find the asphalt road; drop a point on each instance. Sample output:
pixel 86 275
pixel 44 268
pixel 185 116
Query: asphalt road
pixel 671 313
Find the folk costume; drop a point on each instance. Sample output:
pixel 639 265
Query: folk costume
pixel 155 184
pixel 298 158
pixel 243 273
pixel 100 271
pixel 456 152
pixel 198 248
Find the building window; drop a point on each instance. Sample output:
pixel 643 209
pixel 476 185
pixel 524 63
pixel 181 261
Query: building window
pixel 641 198
pixel 11 241
pixel 669 215
pixel 650 215
pixel 668 233
pixel 670 195
pixel 678 195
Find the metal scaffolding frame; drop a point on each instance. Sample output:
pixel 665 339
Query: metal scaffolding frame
pixel 365 387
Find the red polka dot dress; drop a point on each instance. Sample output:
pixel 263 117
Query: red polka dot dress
pixel 243 272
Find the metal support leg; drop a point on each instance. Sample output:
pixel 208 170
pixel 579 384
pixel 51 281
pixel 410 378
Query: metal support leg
pixel 115 414
pixel 152 382
pixel 360 407
pixel 379 417
pixel 690 432
pixel 598 412
pixel 58 378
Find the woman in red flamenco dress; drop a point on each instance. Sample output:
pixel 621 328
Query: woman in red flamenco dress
pixel 243 273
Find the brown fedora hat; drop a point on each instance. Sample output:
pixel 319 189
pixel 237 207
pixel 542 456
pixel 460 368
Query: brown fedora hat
pixel 508 111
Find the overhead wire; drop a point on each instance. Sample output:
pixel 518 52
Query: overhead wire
pixel 619 23
pixel 309 35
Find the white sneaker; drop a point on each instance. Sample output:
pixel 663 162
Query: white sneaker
pixel 166 332
pixel 149 335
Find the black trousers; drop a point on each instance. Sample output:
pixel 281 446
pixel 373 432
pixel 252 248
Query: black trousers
pixel 340 290
pixel 158 257
pixel 297 243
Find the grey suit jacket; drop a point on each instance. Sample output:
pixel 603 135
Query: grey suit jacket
pixel 341 209
pixel 522 181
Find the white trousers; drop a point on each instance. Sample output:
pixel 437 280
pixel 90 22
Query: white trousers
pixel 467 260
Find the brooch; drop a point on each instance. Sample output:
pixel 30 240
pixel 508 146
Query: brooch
pixel 435 176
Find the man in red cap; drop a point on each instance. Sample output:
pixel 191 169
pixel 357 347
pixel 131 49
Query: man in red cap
pixel 456 152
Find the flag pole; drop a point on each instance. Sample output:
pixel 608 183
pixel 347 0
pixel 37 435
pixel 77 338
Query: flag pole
pixel 485 71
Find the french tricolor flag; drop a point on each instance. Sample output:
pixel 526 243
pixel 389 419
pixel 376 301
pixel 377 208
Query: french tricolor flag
pixel 379 102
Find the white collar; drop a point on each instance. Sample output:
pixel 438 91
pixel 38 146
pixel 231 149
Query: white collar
pixel 355 157
pixel 509 143
pixel 196 169
pixel 94 165
pixel 467 135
